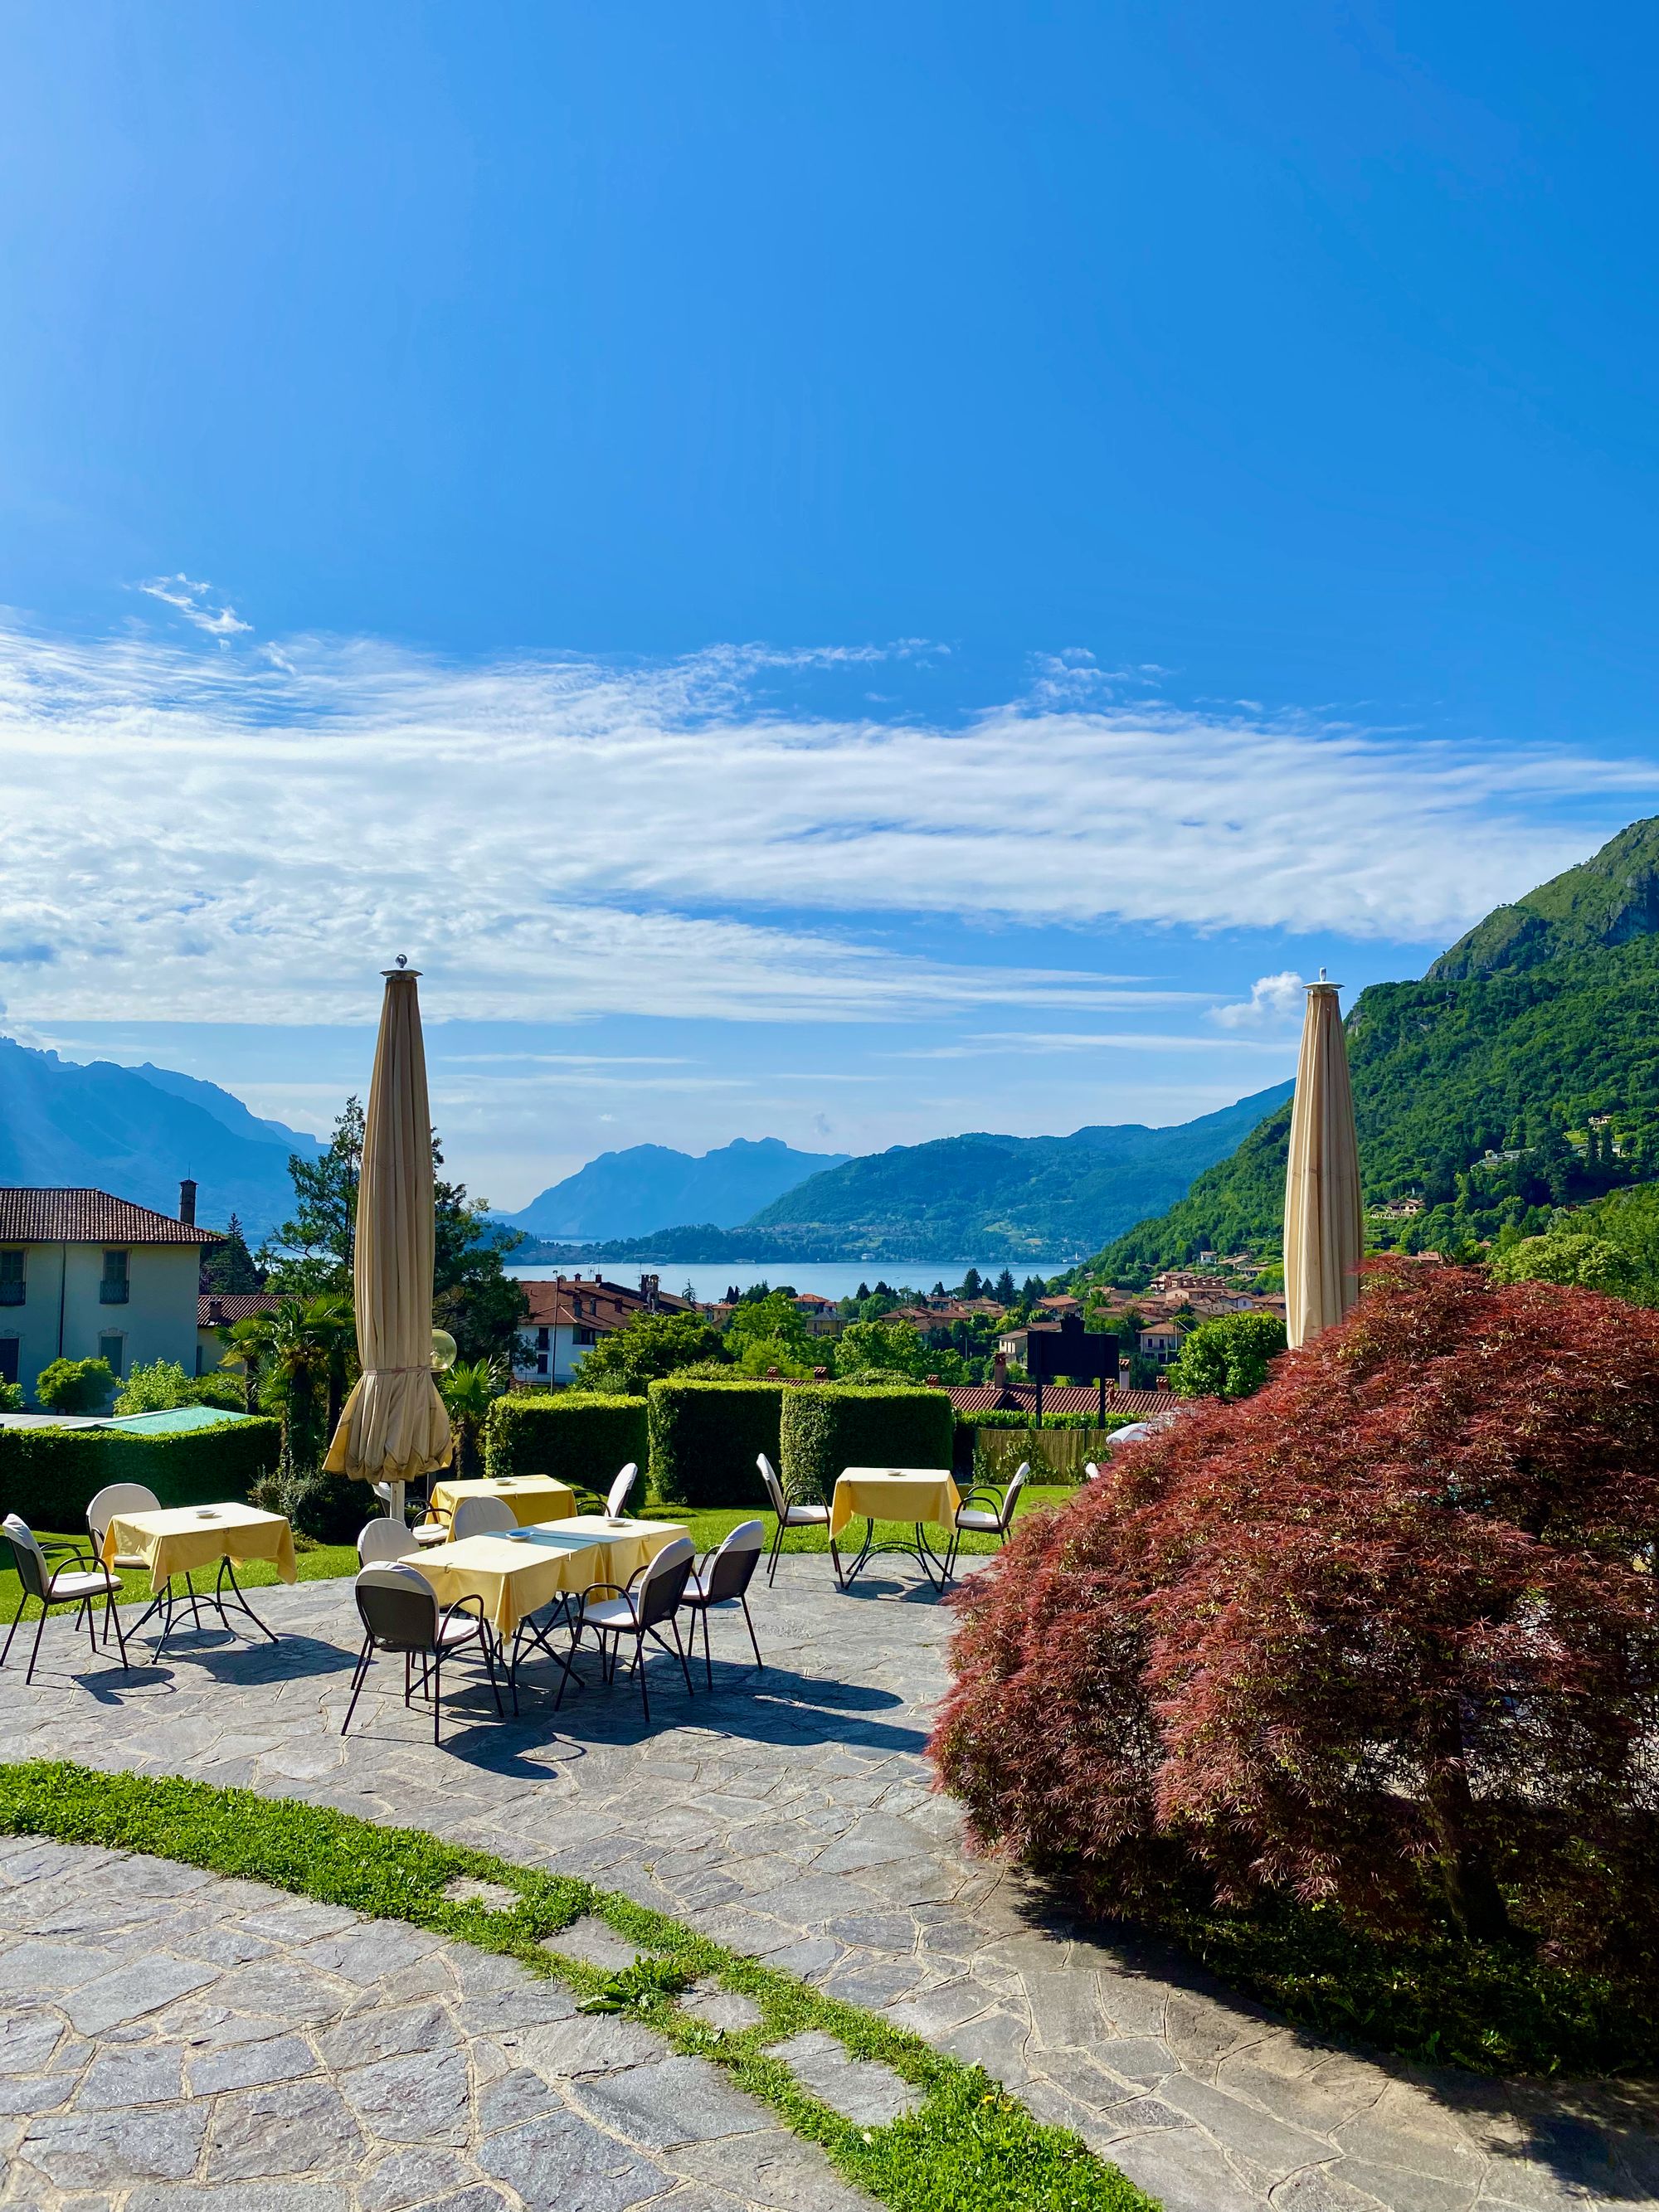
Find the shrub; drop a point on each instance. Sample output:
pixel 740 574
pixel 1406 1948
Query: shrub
pixel 329 1509
pixel 48 1476
pixel 1563 1255
pixel 164 1384
pixel 1229 1357
pixel 1382 1636
pixel 75 1385
pixel 705 1436
pixel 630 1359
pixel 11 1397
pixel 828 1426
pixel 583 1437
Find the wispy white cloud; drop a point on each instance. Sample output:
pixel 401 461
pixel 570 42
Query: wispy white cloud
pixel 247 835
pixel 191 601
pixel 1274 1000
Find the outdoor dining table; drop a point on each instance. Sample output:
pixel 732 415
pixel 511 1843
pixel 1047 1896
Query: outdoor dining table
pixel 515 1575
pixel 532 1497
pixel 915 1494
pixel 176 1539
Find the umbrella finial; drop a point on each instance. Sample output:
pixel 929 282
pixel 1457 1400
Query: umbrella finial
pixel 403 961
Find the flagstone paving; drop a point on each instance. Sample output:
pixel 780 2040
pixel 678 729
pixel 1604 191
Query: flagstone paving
pixel 789 1814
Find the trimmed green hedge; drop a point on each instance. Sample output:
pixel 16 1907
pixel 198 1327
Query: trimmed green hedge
pixel 48 1477
pixel 705 1436
pixel 583 1438
pixel 830 1426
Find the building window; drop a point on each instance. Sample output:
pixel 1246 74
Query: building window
pixel 10 1351
pixel 12 1288
pixel 112 1291
pixel 541 1340
pixel 114 1348
pixel 541 1363
pixel 585 1336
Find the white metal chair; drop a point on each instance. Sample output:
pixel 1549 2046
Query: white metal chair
pixel 379 1540
pixel 725 1575
pixel 616 1503
pixel 399 1611
pixel 993 1516
pixel 650 1601
pixel 483 1516
pixel 65 1585
pixel 792 1515
pixel 106 1506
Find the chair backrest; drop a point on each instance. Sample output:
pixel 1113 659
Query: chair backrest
pixel 383 1539
pixel 1022 1476
pixel 33 1571
pixel 483 1516
pixel 616 1504
pixel 733 1567
pixel 1090 1472
pixel 663 1582
pixel 774 1488
pixel 399 1606
pixel 118 1497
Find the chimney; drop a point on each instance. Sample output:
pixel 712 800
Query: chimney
pixel 999 1372
pixel 187 1202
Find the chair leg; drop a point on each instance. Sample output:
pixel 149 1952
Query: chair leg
pixel 708 1664
pixel 490 1666
pixel 120 1633
pixel 835 1561
pixel 357 1681
pixel 91 1625
pixel 772 1562
pixel 40 1632
pixel 742 1600
pixel 437 1694
pixel 12 1630
pixel 639 1668
pixel 674 1623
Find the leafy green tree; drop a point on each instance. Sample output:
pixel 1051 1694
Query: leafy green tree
pixel 11 1397
pixel 890 1348
pixel 230 1267
pixel 75 1385
pixel 1563 1256
pixel 774 1317
pixel 474 1297
pixel 313 1251
pixel 163 1384
pixel 1005 1293
pixel 1227 1357
pixel 763 1355
pixel 655 1345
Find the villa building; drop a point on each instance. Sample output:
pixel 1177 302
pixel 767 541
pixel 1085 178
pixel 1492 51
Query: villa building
pixel 569 1314
pixel 86 1276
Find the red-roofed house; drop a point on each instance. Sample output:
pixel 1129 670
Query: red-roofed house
pixel 569 1313
pixel 86 1276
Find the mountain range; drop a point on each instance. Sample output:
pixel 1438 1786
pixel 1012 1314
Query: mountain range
pixel 981 1196
pixel 628 1194
pixel 138 1132
pixel 1474 1089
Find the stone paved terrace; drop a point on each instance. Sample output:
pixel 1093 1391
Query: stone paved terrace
pixel 788 1816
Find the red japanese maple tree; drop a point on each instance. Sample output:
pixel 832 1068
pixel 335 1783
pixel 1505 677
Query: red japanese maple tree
pixel 1385 1633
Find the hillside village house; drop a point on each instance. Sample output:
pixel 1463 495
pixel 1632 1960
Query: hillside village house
pixel 86 1276
pixel 568 1316
pixel 217 1309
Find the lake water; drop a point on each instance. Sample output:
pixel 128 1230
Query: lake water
pixel 710 1282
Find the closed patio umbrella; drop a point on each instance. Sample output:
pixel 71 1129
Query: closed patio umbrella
pixel 1324 1225
pixel 394 1427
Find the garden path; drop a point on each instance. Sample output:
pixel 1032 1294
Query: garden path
pixel 789 1814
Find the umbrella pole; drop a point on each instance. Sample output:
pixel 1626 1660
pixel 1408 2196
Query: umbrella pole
pixel 395 1508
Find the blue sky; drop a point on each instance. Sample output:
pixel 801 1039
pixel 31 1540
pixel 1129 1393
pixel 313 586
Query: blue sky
pixel 848 573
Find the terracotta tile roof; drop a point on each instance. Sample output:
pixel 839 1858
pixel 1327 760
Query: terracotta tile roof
pixel 569 1301
pixel 219 1309
pixel 34 1215
pixel 1021 1397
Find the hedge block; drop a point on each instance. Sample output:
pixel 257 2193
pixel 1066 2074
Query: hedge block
pixel 48 1477
pixel 583 1438
pixel 828 1426
pixel 706 1437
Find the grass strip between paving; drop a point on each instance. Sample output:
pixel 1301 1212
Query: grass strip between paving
pixel 970 2146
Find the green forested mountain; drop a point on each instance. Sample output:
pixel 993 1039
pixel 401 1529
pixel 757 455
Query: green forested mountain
pixel 1544 1016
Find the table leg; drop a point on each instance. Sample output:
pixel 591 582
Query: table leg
pixel 921 1551
pixel 227 1571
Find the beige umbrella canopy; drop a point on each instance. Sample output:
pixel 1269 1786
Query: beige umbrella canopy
pixel 1324 1224
pixel 394 1427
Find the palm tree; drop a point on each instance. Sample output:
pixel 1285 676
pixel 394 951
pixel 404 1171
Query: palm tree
pixel 469 1390
pixel 248 1349
pixel 307 1344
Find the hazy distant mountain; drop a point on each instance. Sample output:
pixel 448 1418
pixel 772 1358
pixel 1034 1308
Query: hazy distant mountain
pixel 631 1193
pixel 1005 1197
pixel 138 1132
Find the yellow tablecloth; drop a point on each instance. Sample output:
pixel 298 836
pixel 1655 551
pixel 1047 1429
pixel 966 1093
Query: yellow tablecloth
pixel 894 1493
pixel 533 1498
pixel 176 1538
pixel 516 1576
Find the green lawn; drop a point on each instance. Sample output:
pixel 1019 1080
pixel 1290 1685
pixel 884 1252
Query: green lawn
pixel 325 1562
